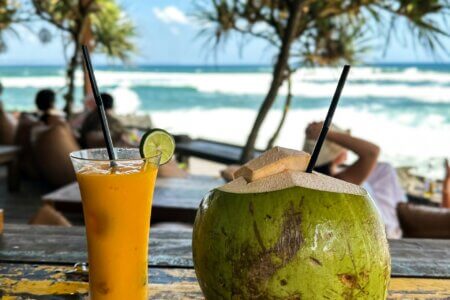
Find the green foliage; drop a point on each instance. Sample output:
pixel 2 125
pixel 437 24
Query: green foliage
pixel 112 31
pixel 328 32
pixel 8 10
pixel 101 24
pixel 317 32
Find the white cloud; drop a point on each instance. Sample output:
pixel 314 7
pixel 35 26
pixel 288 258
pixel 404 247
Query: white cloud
pixel 170 15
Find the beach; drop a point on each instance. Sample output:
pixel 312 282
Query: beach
pixel 404 108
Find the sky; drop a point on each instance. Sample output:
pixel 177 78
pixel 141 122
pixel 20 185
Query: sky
pixel 168 35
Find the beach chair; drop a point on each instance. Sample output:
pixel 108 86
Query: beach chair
pixel 210 150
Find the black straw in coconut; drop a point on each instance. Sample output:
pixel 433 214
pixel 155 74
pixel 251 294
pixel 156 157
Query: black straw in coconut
pixel 327 122
pixel 100 107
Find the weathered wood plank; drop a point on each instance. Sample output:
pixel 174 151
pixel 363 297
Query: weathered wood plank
pixel 418 288
pixel 46 244
pixel 174 199
pixel 59 245
pixel 40 231
pixel 420 258
pixel 184 193
pixel 53 282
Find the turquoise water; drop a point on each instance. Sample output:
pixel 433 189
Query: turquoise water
pixel 163 97
pixel 386 103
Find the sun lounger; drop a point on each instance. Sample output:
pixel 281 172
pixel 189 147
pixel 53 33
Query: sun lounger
pixel 210 150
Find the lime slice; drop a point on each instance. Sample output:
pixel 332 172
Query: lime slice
pixel 155 141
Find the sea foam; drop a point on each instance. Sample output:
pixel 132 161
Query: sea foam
pixel 408 133
pixel 313 83
pixel 400 142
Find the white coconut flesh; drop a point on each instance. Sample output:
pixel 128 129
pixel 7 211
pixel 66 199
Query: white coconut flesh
pixel 281 168
pixel 288 179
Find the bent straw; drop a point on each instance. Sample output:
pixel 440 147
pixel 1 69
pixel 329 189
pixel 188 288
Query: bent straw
pixel 327 122
pixel 100 107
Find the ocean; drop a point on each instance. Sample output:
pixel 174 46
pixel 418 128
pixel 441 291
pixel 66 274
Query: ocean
pixel 404 108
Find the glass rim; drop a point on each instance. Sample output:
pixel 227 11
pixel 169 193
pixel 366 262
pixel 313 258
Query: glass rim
pixel 73 155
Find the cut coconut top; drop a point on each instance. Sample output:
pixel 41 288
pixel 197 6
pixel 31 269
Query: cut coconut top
pixel 281 168
pixel 288 179
pixel 275 160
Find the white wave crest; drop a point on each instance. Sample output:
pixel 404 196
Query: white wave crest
pixel 125 100
pixel 400 142
pixel 314 83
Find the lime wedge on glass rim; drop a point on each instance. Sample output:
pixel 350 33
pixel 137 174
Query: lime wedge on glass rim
pixel 155 141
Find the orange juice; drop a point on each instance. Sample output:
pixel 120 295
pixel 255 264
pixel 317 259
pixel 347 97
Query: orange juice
pixel 117 205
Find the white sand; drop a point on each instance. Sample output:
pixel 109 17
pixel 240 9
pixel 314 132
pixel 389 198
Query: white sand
pixel 199 166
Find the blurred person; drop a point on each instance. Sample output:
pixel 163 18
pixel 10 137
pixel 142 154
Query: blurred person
pixel 1 92
pixel 379 179
pixel 446 186
pixel 334 154
pixel 92 136
pixel 45 102
pixel 89 103
pixel 91 128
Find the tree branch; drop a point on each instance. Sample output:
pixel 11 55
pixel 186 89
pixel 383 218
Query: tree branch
pixel 286 108
pixel 48 17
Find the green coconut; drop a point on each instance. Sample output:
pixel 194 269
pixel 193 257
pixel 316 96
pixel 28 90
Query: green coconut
pixel 290 235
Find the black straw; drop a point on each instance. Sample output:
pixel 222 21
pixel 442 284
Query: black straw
pixel 327 123
pixel 100 107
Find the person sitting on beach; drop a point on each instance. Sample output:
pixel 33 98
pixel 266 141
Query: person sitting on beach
pixel 91 129
pixel 379 179
pixel 1 93
pixel 446 186
pixel 92 136
pixel 45 103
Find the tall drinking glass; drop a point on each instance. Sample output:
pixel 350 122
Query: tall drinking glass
pixel 117 198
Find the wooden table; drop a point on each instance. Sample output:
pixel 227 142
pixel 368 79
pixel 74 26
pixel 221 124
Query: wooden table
pixel 174 199
pixel 35 263
pixel 9 157
pixel 214 151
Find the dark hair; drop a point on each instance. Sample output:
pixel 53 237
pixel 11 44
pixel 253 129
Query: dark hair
pixel 324 169
pixel 108 100
pixel 45 99
pixel 1 88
